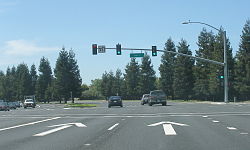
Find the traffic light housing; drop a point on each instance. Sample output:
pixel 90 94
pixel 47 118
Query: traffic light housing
pixel 94 49
pixel 154 51
pixel 118 49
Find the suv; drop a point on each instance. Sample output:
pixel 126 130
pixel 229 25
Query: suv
pixel 115 101
pixel 157 97
pixel 144 99
pixel 29 103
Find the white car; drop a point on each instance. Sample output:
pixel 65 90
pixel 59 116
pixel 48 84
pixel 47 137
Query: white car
pixel 29 103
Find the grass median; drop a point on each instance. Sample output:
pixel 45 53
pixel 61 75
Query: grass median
pixel 80 105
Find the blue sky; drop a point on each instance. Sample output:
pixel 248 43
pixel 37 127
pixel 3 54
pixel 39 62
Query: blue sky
pixel 30 29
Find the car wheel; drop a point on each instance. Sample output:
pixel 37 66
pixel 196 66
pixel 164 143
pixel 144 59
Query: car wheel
pixel 121 105
pixel 164 104
pixel 25 107
pixel 109 106
pixel 150 104
pixel 142 103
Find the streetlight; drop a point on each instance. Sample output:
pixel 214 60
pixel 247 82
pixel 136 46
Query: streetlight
pixel 225 58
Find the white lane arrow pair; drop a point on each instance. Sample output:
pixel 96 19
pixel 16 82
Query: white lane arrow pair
pixel 167 126
pixel 60 127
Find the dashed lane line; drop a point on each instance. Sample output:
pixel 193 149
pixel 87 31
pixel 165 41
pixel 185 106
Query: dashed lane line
pixel 112 127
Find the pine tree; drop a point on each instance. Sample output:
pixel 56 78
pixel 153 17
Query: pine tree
pixel 132 73
pixel 75 77
pixel 147 76
pixel 61 72
pixel 183 74
pixel 34 77
pixel 167 68
pixel 242 67
pixel 205 43
pixel 44 79
pixel 118 82
pixel 23 81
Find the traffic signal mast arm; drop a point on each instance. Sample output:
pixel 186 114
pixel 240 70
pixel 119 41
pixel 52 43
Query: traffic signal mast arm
pixel 197 58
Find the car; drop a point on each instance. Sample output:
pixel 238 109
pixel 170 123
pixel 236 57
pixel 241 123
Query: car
pixel 29 103
pixel 4 106
pixel 157 97
pixel 18 104
pixel 115 101
pixel 12 105
pixel 144 99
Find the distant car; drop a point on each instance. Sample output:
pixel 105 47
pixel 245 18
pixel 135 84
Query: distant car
pixel 18 104
pixel 4 106
pixel 157 97
pixel 145 98
pixel 115 101
pixel 29 103
pixel 12 105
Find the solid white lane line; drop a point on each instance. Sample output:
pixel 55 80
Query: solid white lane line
pixel 204 116
pixel 31 123
pixel 168 129
pixel 215 121
pixel 111 128
pixel 231 128
pixel 53 130
pixel 244 133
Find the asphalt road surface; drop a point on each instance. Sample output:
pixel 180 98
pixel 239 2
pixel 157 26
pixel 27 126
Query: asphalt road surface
pixel 178 126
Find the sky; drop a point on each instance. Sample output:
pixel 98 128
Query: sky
pixel 31 29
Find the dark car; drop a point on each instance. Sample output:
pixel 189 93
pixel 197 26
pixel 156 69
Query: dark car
pixel 4 106
pixel 12 105
pixel 115 101
pixel 18 104
pixel 157 97
pixel 144 99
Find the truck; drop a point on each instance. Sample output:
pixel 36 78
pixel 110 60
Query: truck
pixel 157 97
pixel 29 101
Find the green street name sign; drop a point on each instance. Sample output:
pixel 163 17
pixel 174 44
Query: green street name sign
pixel 136 54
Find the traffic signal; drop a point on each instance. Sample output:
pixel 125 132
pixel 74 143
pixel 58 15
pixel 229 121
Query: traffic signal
pixel 154 51
pixel 118 49
pixel 94 49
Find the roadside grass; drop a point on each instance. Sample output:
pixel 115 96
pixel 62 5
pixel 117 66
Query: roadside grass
pixel 76 105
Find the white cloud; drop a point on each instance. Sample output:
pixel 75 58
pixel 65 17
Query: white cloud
pixel 25 48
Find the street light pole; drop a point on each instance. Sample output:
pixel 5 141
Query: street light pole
pixel 225 69
pixel 225 58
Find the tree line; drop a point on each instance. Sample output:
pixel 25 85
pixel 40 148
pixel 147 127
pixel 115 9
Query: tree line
pixel 21 81
pixel 183 77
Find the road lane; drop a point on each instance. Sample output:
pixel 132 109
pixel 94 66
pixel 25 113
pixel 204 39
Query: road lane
pixel 130 128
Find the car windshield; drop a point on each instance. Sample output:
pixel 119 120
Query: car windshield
pixel 113 98
pixel 158 93
pixel 28 100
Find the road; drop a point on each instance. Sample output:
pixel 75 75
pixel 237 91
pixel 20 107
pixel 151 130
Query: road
pixel 178 126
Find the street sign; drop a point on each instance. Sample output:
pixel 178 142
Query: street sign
pixel 137 55
pixel 101 49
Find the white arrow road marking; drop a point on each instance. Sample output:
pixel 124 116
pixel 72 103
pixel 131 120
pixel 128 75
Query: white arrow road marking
pixel 168 129
pixel 167 122
pixel 167 126
pixel 76 124
pixel 60 127
pixel 111 128
pixel 31 123
pixel 52 131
